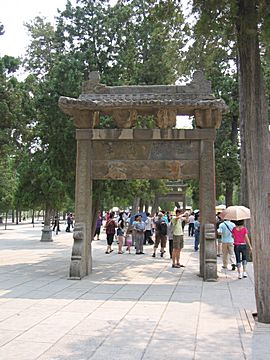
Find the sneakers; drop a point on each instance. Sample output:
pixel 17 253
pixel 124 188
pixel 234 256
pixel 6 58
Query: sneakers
pixel 233 267
pixel 244 274
pixel 154 255
pixel 240 276
pixel 161 254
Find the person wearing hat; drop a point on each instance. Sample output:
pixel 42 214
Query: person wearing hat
pixel 160 234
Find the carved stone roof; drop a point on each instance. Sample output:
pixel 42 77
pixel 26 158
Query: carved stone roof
pixel 148 99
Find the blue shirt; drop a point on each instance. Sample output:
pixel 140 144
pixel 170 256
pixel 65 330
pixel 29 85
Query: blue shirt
pixel 137 225
pixel 226 231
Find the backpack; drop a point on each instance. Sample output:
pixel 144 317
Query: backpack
pixel 163 227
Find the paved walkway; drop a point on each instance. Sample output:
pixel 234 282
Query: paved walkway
pixel 130 307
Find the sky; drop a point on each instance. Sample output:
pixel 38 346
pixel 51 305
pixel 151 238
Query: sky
pixel 14 13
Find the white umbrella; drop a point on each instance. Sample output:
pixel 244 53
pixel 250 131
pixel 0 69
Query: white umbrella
pixel 236 212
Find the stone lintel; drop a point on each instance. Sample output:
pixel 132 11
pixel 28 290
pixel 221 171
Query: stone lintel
pixel 145 134
pixel 145 169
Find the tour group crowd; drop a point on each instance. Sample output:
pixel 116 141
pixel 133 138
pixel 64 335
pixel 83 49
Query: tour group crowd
pixel 142 229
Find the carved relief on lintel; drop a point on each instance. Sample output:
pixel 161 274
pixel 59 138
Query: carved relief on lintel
pixel 124 119
pixel 208 118
pixel 165 118
pixel 84 119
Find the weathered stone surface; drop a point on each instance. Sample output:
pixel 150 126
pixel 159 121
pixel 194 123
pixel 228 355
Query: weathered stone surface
pixel 46 234
pixel 145 134
pixel 209 118
pixel 78 256
pixel 210 267
pixel 146 150
pixel 145 169
pixel 207 201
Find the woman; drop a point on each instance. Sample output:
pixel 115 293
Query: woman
pixel 120 232
pixel 98 226
pixel 110 232
pixel 240 235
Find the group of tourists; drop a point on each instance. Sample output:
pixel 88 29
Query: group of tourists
pixel 232 237
pixel 139 230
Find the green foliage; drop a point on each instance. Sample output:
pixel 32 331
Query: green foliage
pixel 8 183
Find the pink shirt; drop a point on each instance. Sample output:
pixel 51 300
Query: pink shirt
pixel 239 235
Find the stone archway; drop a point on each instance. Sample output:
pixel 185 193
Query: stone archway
pixel 160 153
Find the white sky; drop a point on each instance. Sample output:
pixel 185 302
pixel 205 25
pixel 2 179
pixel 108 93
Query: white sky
pixel 14 13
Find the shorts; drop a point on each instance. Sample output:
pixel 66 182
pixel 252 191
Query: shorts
pixel 178 241
pixel 120 232
pixel 160 239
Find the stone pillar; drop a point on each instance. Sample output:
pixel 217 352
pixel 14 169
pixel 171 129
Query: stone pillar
pixel 81 258
pixel 46 234
pixel 208 259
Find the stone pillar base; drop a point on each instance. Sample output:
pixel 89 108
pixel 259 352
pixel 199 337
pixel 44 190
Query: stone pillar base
pixel 46 234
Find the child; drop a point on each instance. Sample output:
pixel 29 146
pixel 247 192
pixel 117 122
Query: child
pixel 240 235
pixel 129 240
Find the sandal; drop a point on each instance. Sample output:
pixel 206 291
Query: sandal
pixel 120 252
pixel 111 251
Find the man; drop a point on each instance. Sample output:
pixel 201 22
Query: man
pixel 225 230
pixel 178 238
pixel 160 234
pixel 138 230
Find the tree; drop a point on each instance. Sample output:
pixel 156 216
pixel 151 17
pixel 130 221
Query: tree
pixel 253 114
pixel 214 51
pixel 245 16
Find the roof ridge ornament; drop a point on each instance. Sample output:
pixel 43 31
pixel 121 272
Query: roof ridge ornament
pixel 200 82
pixel 93 85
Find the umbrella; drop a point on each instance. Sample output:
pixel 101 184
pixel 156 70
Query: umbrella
pixel 143 215
pixel 235 212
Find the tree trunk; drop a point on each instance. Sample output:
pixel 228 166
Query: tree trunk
pixel 253 114
pixel 6 219
pixel 229 194
pixel 141 205
pixel 135 206
pixel 33 217
pixel 13 216
pixel 155 206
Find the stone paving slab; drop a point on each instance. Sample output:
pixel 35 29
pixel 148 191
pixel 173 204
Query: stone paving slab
pixel 130 307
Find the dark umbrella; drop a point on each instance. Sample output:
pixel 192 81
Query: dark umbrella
pixel 142 214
